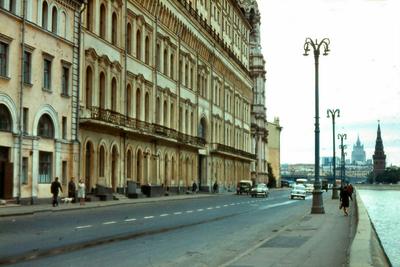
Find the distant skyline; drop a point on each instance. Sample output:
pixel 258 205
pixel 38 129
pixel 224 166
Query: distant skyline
pixel 360 76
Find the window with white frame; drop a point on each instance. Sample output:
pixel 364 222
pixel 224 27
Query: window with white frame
pixel 3 59
pixel 45 167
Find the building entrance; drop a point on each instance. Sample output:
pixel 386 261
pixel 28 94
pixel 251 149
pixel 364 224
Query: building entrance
pixel 6 174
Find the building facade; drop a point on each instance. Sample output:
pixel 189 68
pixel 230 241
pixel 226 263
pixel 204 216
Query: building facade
pixel 37 52
pixel 163 93
pixel 274 148
pixel 358 153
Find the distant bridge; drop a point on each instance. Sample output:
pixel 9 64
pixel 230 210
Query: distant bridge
pixel 350 179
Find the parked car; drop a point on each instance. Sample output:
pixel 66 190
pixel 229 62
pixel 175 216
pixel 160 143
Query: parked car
pixel 244 186
pixel 259 189
pixel 299 191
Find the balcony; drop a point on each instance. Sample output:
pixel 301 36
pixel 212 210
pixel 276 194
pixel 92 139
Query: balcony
pixel 219 148
pixel 113 119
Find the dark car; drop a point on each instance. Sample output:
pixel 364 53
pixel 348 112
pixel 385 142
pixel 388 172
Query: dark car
pixel 243 187
pixel 286 183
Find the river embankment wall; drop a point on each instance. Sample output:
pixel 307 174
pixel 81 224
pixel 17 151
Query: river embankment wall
pixel 366 248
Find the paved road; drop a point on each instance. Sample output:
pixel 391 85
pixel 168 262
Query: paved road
pixel 191 232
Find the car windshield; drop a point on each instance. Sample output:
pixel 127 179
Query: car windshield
pixel 299 187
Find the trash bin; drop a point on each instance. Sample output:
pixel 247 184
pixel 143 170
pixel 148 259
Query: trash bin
pixel 131 189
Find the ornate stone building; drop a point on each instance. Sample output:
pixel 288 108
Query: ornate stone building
pixel 379 156
pixel 166 94
pixel 38 52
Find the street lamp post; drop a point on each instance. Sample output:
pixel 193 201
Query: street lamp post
pixel 342 147
pixel 332 113
pixel 317 204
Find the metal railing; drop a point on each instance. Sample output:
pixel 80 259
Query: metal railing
pixel 232 150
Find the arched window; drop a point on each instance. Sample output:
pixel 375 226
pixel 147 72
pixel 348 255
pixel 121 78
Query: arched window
pixel 138 104
pixel 186 75
pixel 158 111
pixel 202 128
pixel 147 50
pixel 186 122
pixel 63 24
pixel 129 164
pixel 191 123
pixel 171 121
pixel 171 66
pixel 102 93
pixel 103 21
pixel 158 56
pixel 128 100
pixel 114 94
pixel 129 38
pixel 147 107
pixel 165 113
pixel 89 83
pixel 165 61
pixel 114 26
pixel 139 162
pixel 191 78
pixel 180 71
pixel 45 127
pixel 89 15
pixel 101 161
pixel 5 119
pixel 45 15
pixel 54 19
pixel 138 45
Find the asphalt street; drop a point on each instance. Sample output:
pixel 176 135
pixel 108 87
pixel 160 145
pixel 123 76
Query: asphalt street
pixel 191 232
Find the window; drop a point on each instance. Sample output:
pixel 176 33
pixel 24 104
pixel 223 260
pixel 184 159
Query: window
pixel 158 111
pixel 138 104
pixel 114 94
pixel 102 21
pixel 65 81
pixel 114 28
pixel 45 15
pixel 24 170
pixel 64 128
pixel 13 6
pixel 147 50
pixel 101 161
pixel 5 119
pixel 89 15
pixel 45 167
pixel 171 112
pixel 3 59
pixel 171 66
pixel 27 67
pixel 25 117
pixel 54 20
pixel 147 107
pixel 88 89
pixel 45 127
pixel 138 45
pixel 46 74
pixel 165 62
pixel 186 75
pixel 158 56
pixel 102 94
pixel 165 113
pixel 129 38
pixel 128 100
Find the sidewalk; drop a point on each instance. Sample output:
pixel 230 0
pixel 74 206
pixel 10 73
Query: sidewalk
pixel 315 240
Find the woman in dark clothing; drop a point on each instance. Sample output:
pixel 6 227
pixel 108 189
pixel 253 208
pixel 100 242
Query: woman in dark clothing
pixel 344 198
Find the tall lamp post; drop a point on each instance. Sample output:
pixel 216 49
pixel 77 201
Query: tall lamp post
pixel 332 113
pixel 342 147
pixel 317 204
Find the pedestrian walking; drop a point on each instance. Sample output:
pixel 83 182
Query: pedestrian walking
pixel 350 189
pixel 72 189
pixel 194 187
pixel 54 189
pixel 345 197
pixel 81 192
pixel 215 187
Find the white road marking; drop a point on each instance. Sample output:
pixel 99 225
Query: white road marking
pixel 210 208
pixel 111 222
pixel 130 220
pixel 178 212
pixel 189 211
pixel 163 215
pixel 217 207
pixel 83 226
pixel 277 205
pixel 226 205
pixel 200 209
pixel 148 217
pixel 233 204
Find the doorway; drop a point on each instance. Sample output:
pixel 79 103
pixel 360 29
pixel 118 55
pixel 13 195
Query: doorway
pixel 6 174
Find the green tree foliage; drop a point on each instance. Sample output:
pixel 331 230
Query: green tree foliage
pixel 390 176
pixel 271 177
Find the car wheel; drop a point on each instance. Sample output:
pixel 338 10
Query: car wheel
pixel 291 197
pixel 304 198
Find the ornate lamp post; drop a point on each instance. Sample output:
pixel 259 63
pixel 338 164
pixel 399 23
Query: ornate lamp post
pixel 317 205
pixel 332 113
pixel 342 147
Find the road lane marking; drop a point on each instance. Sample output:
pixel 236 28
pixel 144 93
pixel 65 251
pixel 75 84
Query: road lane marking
pixel 111 222
pixel 200 209
pixel 130 220
pixel 177 213
pixel 83 226
pixel 210 208
pixel 148 217
pixel 277 205
pixel 232 204
pixel 163 215
pixel 189 211
pixel 226 205
pixel 217 207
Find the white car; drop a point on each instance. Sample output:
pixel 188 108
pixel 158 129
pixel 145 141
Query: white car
pixel 298 190
pixel 309 188
pixel 259 189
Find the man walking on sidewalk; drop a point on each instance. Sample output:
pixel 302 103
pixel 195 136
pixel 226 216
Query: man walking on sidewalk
pixel 55 185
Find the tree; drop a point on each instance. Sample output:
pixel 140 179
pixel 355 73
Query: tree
pixel 271 177
pixel 390 176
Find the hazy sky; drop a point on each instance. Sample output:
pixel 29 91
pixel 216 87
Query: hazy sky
pixel 360 76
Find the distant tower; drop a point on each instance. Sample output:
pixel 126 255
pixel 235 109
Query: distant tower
pixel 379 155
pixel 358 153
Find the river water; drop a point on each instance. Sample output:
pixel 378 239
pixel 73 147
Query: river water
pixel 383 207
